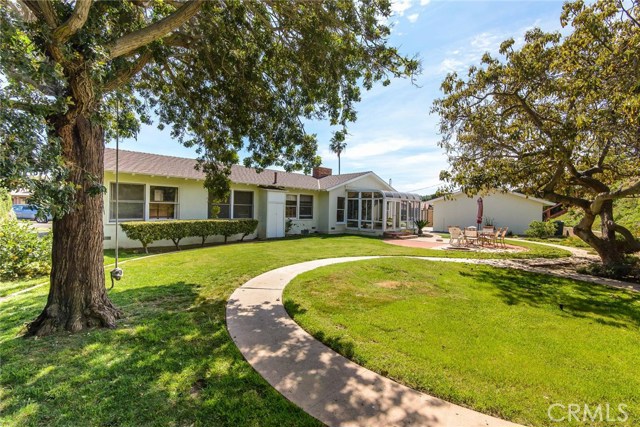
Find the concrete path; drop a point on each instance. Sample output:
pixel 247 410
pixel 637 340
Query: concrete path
pixel 326 385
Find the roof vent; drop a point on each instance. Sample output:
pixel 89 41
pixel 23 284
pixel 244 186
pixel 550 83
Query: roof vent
pixel 320 172
pixel 275 177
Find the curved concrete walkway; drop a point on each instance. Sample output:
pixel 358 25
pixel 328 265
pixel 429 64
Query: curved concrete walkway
pixel 326 385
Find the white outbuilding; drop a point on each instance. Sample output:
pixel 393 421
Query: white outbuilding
pixel 510 209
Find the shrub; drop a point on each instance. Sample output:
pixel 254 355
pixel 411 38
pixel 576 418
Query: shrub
pixel 420 224
pixel 541 229
pixel 141 231
pixel 148 232
pixel 22 253
pixel 175 231
pixel 629 270
pixel 6 207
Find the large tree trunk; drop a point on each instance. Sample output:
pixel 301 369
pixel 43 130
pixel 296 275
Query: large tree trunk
pixel 611 252
pixel 77 296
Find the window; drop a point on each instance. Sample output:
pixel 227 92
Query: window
pixel 131 202
pixel 353 207
pixel 163 203
pixel 291 207
pixel 306 207
pixel 223 206
pixel 299 206
pixel 243 204
pixel 340 210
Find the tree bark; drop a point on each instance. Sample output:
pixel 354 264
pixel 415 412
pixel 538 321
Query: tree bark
pixel 77 295
pixel 610 252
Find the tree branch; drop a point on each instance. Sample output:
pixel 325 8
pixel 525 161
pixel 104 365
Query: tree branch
pixel 36 109
pixel 566 200
pixel 75 21
pixel 45 89
pixel 43 10
pixel 630 240
pixel 126 74
pixel 601 198
pixel 132 41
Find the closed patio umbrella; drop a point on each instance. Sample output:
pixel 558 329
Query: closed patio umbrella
pixel 480 212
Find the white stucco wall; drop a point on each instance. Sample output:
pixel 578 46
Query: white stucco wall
pixel 192 204
pixel 312 225
pixel 506 209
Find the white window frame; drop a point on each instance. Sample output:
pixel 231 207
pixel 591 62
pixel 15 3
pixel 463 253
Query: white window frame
pixel 312 207
pixel 297 196
pixel 176 203
pixel 112 200
pixel 232 202
pixel 344 209
pixel 286 206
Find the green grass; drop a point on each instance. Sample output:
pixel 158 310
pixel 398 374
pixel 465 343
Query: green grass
pixel 171 360
pixel 10 286
pixel 574 242
pixel 491 339
pixel 626 212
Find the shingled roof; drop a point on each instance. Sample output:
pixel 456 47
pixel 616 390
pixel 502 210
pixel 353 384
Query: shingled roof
pixel 180 167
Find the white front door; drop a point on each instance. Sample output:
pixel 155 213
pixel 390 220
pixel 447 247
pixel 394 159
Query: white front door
pixel 275 222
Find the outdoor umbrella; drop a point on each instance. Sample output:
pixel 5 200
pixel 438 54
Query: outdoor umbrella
pixel 480 212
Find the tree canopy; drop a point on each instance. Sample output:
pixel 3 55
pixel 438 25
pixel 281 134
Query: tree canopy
pixel 556 118
pixel 222 75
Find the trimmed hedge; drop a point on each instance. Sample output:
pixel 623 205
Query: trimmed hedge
pixel 149 232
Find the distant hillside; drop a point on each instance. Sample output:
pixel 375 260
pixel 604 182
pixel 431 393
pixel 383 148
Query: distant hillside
pixel 626 213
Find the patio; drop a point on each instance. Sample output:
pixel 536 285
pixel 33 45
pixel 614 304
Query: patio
pixel 436 241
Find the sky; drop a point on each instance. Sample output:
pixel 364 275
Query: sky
pixel 395 136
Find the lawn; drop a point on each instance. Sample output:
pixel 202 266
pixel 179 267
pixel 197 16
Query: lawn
pixel 492 339
pixel 171 360
pixel 10 286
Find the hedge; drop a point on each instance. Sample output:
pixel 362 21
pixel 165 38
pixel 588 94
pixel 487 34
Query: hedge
pixel 149 232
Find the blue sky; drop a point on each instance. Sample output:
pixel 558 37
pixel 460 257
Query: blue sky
pixel 395 136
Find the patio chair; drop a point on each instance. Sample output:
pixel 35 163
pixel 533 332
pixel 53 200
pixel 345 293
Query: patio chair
pixel 471 235
pixel 455 235
pixel 493 239
pixel 488 228
pixel 502 235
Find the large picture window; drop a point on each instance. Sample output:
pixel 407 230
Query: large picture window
pixel 243 204
pixel 163 203
pixel 340 210
pixel 131 202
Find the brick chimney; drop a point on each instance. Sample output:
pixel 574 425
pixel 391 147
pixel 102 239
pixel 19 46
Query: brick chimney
pixel 320 172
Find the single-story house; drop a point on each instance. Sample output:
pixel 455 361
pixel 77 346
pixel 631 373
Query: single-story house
pixel 155 188
pixel 19 197
pixel 510 209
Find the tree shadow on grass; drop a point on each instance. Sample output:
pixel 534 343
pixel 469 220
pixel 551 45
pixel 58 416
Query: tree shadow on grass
pixel 338 344
pixel 599 303
pixel 170 362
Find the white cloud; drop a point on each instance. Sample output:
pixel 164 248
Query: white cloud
pixel 449 65
pixel 413 17
pixel 399 7
pixel 424 2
